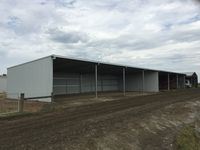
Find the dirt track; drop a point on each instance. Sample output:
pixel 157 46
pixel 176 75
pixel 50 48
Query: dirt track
pixel 79 127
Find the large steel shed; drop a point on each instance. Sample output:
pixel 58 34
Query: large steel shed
pixel 62 76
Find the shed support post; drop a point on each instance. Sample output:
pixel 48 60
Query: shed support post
pixel 168 80
pixel 177 81
pixel 143 84
pixel 21 103
pixel 96 80
pixel 80 83
pixel 184 81
pixel 124 82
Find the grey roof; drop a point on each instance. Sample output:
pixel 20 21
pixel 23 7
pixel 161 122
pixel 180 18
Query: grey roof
pixel 99 62
pixel 189 73
pixel 114 64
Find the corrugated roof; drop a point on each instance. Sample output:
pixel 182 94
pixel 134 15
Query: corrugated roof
pixel 127 66
pixel 98 62
pixel 189 73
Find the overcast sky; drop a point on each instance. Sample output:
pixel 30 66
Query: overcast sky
pixel 158 34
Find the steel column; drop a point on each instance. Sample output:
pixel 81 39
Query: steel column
pixel 177 82
pixel 168 81
pixel 124 81
pixel 80 77
pixel 96 80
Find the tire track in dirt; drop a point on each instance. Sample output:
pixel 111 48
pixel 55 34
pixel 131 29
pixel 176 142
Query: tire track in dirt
pixel 21 131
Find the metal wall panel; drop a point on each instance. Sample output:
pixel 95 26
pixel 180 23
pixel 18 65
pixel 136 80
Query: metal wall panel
pixel 88 83
pixel 181 82
pixel 3 84
pixel 64 83
pixel 109 83
pixel 134 82
pixel 34 79
pixel 151 81
pixel 69 83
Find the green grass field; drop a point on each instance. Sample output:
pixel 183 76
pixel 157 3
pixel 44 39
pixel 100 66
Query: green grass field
pixel 188 139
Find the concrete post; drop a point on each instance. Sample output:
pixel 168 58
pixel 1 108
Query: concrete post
pixel 96 80
pixel 21 103
pixel 124 81
pixel 168 80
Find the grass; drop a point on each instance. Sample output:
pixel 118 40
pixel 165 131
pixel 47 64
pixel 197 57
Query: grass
pixel 48 108
pixel 8 106
pixel 188 139
pixel 14 115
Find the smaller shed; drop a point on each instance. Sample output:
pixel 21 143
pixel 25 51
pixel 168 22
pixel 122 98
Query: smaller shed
pixel 3 83
pixel 192 78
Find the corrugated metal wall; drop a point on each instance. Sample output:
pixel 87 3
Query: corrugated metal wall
pixel 3 84
pixel 181 82
pixel 33 78
pixel 151 81
pixel 68 83
pixel 134 82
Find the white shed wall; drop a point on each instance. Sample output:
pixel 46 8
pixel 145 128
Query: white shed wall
pixel 151 81
pixel 3 84
pixel 35 79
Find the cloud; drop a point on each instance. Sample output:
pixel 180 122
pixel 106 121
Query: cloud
pixel 3 53
pixel 13 22
pixel 198 1
pixel 65 3
pixel 154 34
pixel 67 37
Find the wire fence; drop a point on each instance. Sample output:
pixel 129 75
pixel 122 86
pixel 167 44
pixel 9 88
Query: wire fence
pixel 16 103
pixel 8 105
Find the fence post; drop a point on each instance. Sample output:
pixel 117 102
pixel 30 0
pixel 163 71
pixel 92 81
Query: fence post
pixel 21 103
pixel 52 97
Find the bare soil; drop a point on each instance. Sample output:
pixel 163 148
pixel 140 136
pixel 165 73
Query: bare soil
pixel 148 122
pixel 89 98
